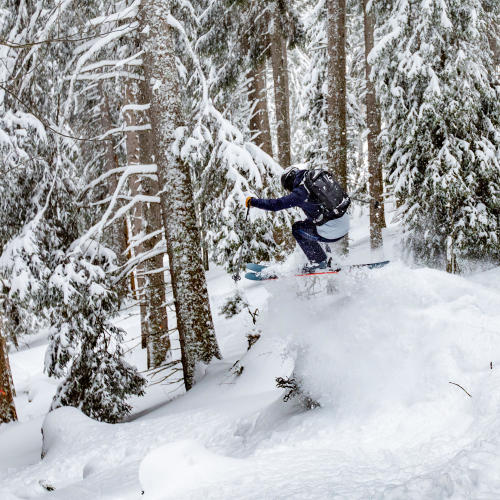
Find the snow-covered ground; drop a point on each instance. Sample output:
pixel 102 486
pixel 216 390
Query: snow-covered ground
pixel 377 349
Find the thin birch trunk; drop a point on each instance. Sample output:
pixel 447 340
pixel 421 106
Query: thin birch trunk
pixel 376 188
pixel 7 407
pixel 194 319
pixel 259 121
pixel 279 61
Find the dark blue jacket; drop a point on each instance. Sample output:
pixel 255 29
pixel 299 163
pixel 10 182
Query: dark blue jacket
pixel 297 198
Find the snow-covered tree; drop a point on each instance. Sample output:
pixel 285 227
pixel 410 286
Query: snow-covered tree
pixel 373 123
pixel 217 140
pixel 85 346
pixel 194 319
pixel 48 160
pixel 314 114
pixel 441 109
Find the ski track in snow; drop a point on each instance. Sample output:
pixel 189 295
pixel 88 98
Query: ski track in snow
pixel 376 348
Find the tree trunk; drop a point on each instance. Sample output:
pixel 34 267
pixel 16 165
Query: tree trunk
pixel 156 326
pixel 259 121
pixel 136 219
pixel 119 231
pixel 376 188
pixel 7 407
pixel 194 319
pixel 493 36
pixel 279 63
pixel 337 117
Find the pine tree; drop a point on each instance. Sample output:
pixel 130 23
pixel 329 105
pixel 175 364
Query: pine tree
pixel 373 122
pixel 225 163
pixel 259 119
pixel 85 347
pixel 279 63
pixel 337 87
pixel 194 321
pixel 435 80
pixel 314 112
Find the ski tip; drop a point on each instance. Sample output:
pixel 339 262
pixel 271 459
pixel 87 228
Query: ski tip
pixel 378 264
pixel 253 277
pixel 254 267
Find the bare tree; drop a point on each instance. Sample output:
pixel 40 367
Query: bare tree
pixel 279 61
pixel 194 319
pixel 376 187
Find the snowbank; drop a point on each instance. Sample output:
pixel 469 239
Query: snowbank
pixel 376 348
pixel 176 468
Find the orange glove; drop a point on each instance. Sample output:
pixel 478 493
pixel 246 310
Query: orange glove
pixel 248 201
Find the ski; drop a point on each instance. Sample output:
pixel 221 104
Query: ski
pixel 256 271
pixel 256 268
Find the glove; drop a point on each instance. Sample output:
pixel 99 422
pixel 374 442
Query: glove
pixel 248 201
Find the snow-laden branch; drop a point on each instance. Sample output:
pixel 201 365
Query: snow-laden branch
pixel 129 12
pixel 107 218
pixel 160 249
pixel 134 60
pixel 105 76
pixel 140 198
pixel 144 199
pixel 135 241
pixel 125 128
pixel 93 49
pixel 128 169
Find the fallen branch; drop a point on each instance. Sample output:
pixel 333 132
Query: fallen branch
pixel 458 385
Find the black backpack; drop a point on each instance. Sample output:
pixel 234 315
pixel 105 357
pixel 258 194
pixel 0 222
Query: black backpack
pixel 325 190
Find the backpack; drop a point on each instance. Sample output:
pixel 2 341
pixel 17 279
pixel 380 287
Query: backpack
pixel 325 190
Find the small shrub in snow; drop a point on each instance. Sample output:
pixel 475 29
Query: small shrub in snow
pixel 252 339
pixel 233 305
pixel 294 391
pixel 237 368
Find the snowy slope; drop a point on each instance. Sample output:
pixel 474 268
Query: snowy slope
pixel 376 348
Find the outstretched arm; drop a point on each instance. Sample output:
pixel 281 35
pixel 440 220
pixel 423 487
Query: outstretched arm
pixel 293 199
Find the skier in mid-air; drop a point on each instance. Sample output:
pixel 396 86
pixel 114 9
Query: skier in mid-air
pixel 323 201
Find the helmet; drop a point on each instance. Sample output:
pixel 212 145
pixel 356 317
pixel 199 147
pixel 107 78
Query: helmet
pixel 288 177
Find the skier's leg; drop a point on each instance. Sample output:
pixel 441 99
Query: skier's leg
pixel 307 237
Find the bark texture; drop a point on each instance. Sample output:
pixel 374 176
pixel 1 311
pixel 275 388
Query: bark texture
pixel 337 118
pixel 119 232
pixel 337 108
pixel 155 327
pixel 279 61
pixel 7 407
pixel 136 218
pixel 259 121
pixel 194 319
pixel 376 187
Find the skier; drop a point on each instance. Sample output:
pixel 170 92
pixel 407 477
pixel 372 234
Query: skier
pixel 324 203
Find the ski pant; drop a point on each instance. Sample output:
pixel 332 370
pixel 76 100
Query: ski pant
pixel 307 237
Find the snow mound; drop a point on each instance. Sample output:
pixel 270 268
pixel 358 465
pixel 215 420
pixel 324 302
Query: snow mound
pixel 178 467
pixel 63 428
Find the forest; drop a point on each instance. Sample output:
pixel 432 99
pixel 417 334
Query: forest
pixel 135 136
